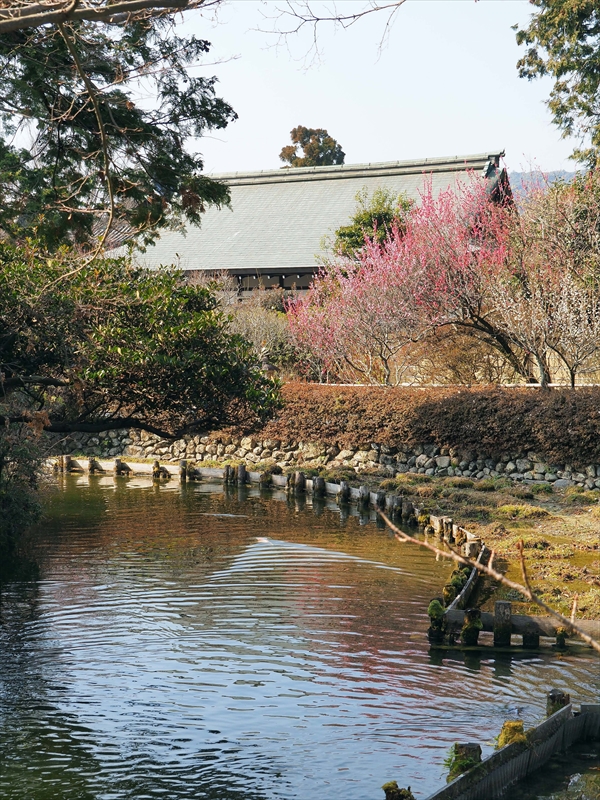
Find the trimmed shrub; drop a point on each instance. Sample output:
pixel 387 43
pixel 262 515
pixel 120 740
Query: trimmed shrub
pixel 562 425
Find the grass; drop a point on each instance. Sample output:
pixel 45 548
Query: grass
pixel 521 512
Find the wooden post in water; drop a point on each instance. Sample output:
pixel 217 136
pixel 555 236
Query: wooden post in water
pixel 183 470
pixel 380 501
pixel 395 505
pixel 364 497
pixel 265 480
pixel 319 486
pixel 67 463
pixel 241 474
pixel 555 700
pixel 156 471
pixel 502 623
pixel 117 466
pixel 299 482
pixel 343 495
pixel 407 510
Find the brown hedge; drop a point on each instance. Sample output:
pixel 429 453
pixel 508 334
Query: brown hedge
pixel 562 425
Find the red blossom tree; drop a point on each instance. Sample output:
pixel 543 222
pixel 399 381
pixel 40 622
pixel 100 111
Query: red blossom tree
pixel 524 281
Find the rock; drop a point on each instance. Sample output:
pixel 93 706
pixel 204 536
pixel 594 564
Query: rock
pixel 421 460
pixel 441 473
pixel 345 454
pixel 510 467
pixel 401 469
pixel 590 471
pixel 550 477
pixel 578 477
pixel 516 476
pixel 590 483
pixel 562 483
pixel 523 465
pixel 539 467
pixel 248 443
pixel 429 471
pixel 443 461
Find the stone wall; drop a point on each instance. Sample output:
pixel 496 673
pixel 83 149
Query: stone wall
pixel 377 460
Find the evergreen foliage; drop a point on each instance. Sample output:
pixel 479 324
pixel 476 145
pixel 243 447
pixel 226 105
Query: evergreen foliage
pixel 80 149
pixel 563 41
pixel 318 147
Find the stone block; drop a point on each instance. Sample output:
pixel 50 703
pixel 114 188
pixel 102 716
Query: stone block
pixel 443 461
pixel 550 477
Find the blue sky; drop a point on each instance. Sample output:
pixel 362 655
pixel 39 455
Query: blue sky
pixel 445 84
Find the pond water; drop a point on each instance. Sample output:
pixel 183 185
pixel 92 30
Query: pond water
pixel 195 642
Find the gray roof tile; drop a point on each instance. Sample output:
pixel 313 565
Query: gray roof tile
pixel 278 218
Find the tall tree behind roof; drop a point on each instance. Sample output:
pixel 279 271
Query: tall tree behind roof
pixel 318 147
pixel 563 39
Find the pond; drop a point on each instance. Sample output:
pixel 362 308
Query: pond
pixel 191 641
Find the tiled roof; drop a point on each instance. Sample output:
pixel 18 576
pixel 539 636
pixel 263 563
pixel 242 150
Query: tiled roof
pixel 278 218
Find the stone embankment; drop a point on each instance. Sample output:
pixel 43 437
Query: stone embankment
pixel 372 459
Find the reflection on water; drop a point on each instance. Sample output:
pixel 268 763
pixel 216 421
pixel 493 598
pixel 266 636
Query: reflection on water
pixel 190 642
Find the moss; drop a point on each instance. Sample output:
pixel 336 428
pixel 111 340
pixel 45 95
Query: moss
pixel 541 488
pixel 561 638
pixel 449 593
pixel 512 733
pixel 435 610
pixel 521 512
pixel 457 764
pixel 459 483
pixel 485 485
pixel 393 792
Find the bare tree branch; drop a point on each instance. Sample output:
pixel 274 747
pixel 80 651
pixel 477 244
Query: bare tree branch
pixel 487 569
pixel 303 14
pixel 19 14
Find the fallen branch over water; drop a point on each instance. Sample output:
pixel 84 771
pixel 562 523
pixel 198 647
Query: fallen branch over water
pixel 487 569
